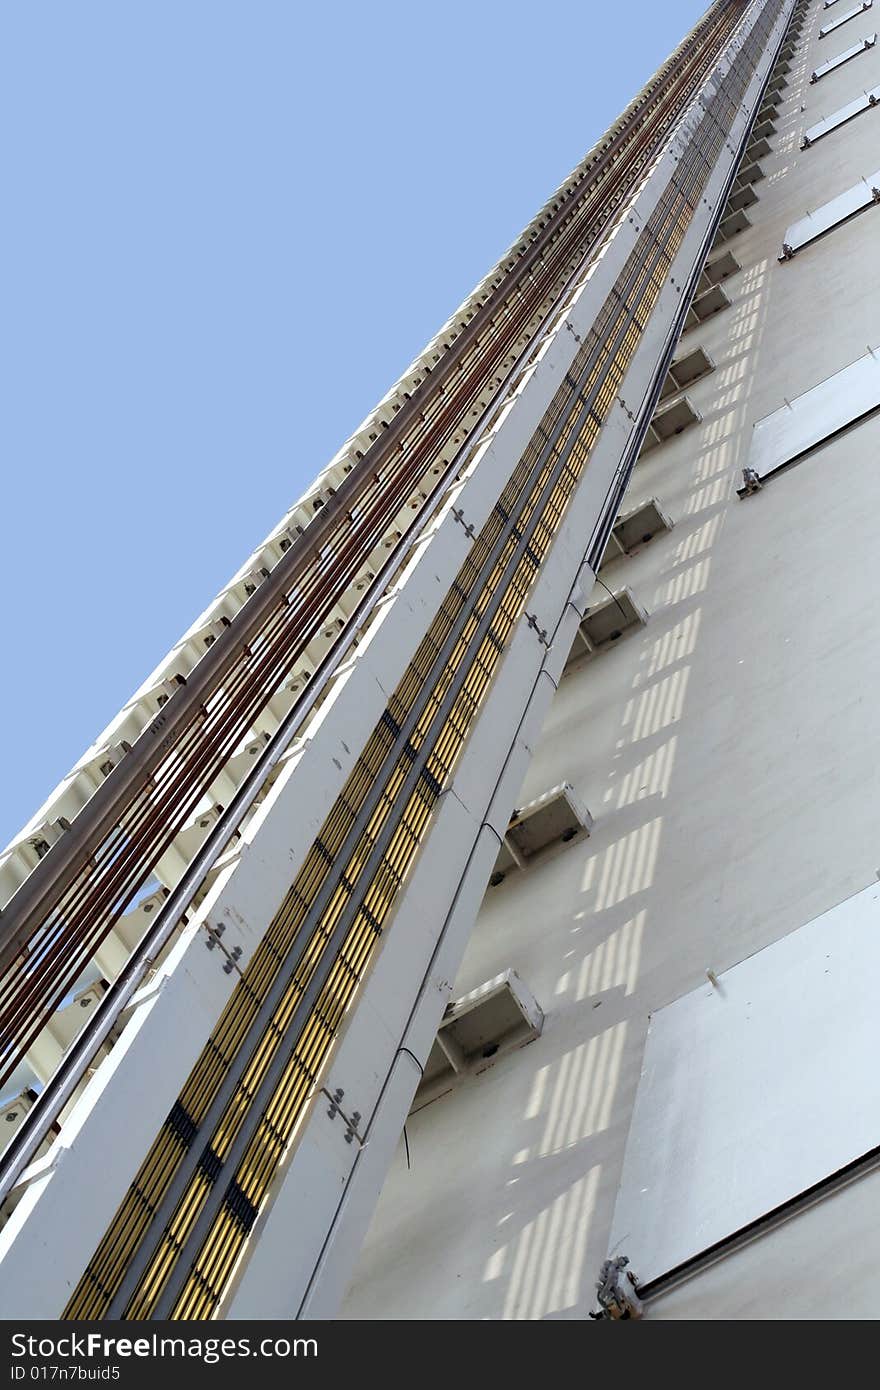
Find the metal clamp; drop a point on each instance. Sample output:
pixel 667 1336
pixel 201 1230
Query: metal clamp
pixel 540 632
pixel 232 956
pixel 351 1121
pixel 751 482
pixel 617 1295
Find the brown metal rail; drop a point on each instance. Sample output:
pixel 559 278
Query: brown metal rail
pixel 58 918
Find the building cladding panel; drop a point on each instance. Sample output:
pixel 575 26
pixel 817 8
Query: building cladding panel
pixel 701 789
pixel 727 750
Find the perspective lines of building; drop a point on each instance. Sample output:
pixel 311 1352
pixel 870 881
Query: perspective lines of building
pixel 479 903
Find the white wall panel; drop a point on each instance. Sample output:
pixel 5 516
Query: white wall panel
pixel 753 1091
pixel 863 102
pixel 807 420
pixel 831 214
pixel 844 18
pixel 839 59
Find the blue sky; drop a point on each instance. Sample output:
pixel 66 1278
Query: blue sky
pixel 227 230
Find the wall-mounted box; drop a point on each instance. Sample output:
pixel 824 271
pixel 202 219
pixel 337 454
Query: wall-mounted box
pixel 603 625
pixel 685 370
pixel 718 269
pixel 555 818
pixel 743 197
pixel 636 528
pixel 704 306
pixel 759 148
pixel 498 1017
pixel 750 173
pixel 668 422
pixel 731 226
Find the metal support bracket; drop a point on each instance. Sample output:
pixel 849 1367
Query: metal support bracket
pixel 351 1121
pixel 751 483
pixel 233 956
pixel 540 632
pixel 617 1294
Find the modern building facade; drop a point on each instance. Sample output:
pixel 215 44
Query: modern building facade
pixel 518 792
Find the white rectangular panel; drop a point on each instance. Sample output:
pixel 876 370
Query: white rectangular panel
pixel 806 420
pixel 753 1091
pixel 816 224
pixel 843 57
pixel 844 18
pixel 864 102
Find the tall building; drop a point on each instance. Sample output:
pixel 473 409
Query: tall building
pixel 499 845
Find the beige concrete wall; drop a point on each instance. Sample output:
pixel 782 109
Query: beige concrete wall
pixel 729 752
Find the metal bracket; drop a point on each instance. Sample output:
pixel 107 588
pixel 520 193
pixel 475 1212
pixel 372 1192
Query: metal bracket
pixel 458 513
pixel 214 934
pixel 232 956
pixel 617 1294
pixel 351 1121
pixel 751 483
pixel 540 632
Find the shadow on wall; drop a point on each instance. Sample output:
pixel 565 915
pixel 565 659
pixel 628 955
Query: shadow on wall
pixel 552 1234
pixel 545 1209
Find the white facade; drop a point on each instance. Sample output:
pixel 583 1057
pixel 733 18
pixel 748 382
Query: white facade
pixel 328 1186
pixel 692 736
pixel 728 751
